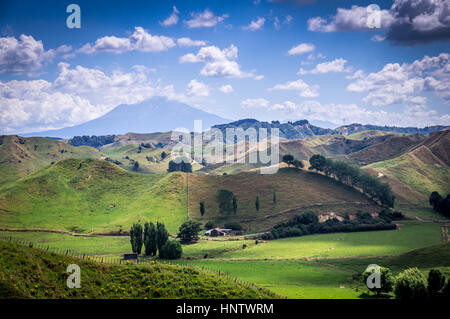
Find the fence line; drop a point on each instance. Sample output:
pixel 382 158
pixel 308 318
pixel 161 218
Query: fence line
pixel 118 261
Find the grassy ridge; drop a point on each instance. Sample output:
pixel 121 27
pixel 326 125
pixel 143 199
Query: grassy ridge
pixel 31 273
pixel 91 195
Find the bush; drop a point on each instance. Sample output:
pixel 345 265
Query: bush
pixel 233 226
pixel 171 250
pixel 436 281
pixel 410 284
pixel 210 225
pixel 189 231
pixel 386 279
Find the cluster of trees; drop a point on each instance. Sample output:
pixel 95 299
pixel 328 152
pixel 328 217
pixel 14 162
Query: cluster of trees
pixel 409 284
pixel 440 204
pixel 227 201
pixel 291 160
pixel 354 177
pixel 189 230
pixel 308 223
pixel 184 165
pixel 155 240
pixel 93 141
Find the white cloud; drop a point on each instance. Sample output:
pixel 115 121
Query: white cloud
pixel 205 19
pixel 24 55
pixel 217 62
pixel 172 19
pixel 226 88
pixel 77 95
pixel 196 88
pixel 140 40
pixel 406 22
pixel 254 103
pixel 303 88
pixel 187 42
pixel 258 77
pixel 255 25
pixel 337 65
pixel 396 83
pixel 301 48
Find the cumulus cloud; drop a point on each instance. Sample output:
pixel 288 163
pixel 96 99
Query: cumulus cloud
pixel 255 25
pixel 24 55
pixel 303 88
pixel 253 103
pixel 187 42
pixel 396 83
pixel 172 19
pixel 301 48
pixel 205 19
pixel 407 22
pixel 140 40
pixel 352 113
pixel 196 88
pixel 226 88
pixel 217 62
pixel 337 65
pixel 77 95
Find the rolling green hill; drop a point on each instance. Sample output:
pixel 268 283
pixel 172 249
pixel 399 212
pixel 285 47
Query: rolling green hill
pixel 20 156
pixel 31 273
pixel 92 196
pixel 294 188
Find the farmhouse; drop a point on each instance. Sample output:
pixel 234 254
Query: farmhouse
pixel 218 232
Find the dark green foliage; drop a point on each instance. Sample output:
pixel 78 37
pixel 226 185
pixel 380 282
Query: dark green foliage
pixel 436 281
pixel 202 208
pixel 136 238
pixel 136 166
pixel 93 141
pixel 298 164
pixel 308 223
pixel 288 159
pixel 189 231
pixel 210 225
pixel 234 205
pixel 181 165
pixel 233 226
pixel 386 280
pixel 410 285
pixel 352 176
pixel 225 199
pixel 257 203
pixel 163 155
pixel 171 250
pixel 150 239
pixel 389 215
pixel 274 199
pixel 161 235
pixel 440 204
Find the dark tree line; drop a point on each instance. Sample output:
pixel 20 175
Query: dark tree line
pixel 308 223
pixel 93 141
pixel 354 177
pixel 440 204
pixel 184 165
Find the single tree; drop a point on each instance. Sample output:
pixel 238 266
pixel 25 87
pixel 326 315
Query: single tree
pixel 257 203
pixel 202 208
pixel 225 199
pixel 274 197
pixel 189 230
pixel 234 204
pixel 171 250
pixel 161 235
pixel 150 239
pixel 317 162
pixel 385 276
pixel 136 166
pixel 288 159
pixel 410 284
pixel 298 164
pixel 136 238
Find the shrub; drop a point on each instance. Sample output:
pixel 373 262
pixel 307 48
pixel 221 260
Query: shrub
pixel 233 226
pixel 436 281
pixel 189 231
pixel 410 284
pixel 386 279
pixel 210 225
pixel 171 250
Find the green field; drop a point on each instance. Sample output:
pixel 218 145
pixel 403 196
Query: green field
pixel 93 196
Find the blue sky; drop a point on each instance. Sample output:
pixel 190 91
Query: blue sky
pixel 270 60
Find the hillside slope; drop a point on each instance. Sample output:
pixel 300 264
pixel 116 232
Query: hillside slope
pixel 32 273
pixel 21 156
pixel 296 191
pixel 92 195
